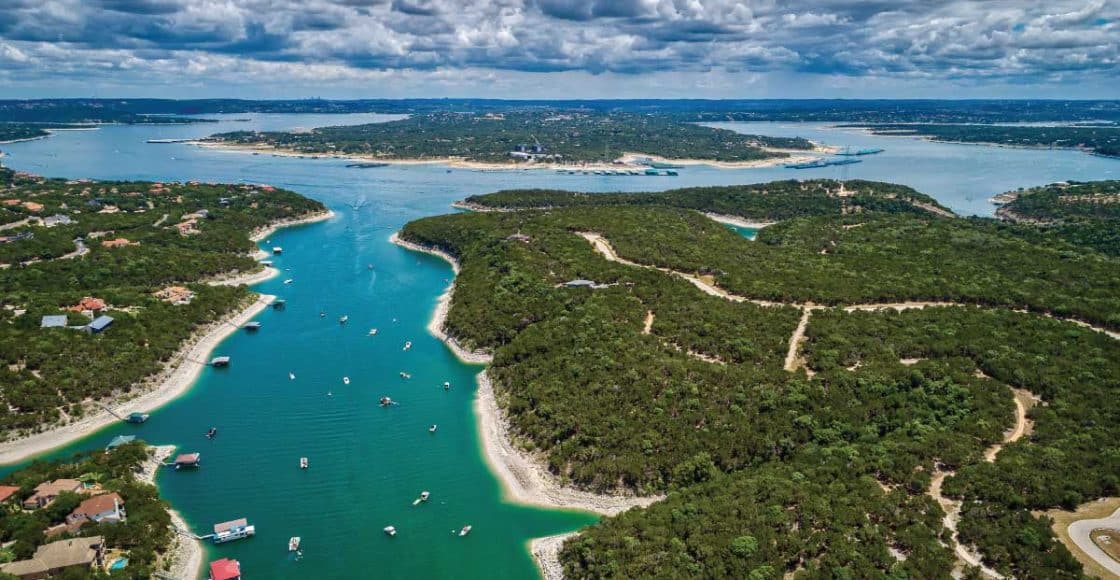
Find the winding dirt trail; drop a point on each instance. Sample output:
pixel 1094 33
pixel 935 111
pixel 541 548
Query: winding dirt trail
pixel 793 359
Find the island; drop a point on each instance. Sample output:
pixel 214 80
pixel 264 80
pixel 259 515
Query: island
pixel 114 291
pixel 872 388
pixel 553 138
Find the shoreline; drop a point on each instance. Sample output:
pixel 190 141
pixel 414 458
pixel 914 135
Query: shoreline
pixel 177 377
pixel 462 163
pixel 185 554
pixel 736 221
pixel 523 479
pixel 261 234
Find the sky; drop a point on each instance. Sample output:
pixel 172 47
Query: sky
pixel 560 48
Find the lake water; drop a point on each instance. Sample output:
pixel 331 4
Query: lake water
pixel 368 463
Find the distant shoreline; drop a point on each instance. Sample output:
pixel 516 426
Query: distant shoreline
pixel 178 374
pixel 523 477
pixel 462 163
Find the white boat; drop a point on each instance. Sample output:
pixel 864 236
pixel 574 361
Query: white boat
pixel 346 380
pixel 277 250
pixel 373 332
pixel 291 376
pixel 405 375
pixel 293 543
pixel 343 319
pixel 446 385
pixel 390 531
pixel 407 345
pixel 303 463
pixel 288 281
pixel 466 530
pixel 423 498
pixel 433 428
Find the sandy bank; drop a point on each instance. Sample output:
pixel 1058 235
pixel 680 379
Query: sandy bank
pixel 737 221
pixel 263 233
pixel 443 306
pixel 185 555
pixel 546 553
pixel 176 378
pixel 798 156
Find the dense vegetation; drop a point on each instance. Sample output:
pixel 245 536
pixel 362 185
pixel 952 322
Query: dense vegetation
pixel 1102 140
pixel 776 200
pixel 16 132
pixel 769 471
pixel 1083 214
pixel 50 374
pixel 568 137
pixel 145 534
pixel 851 110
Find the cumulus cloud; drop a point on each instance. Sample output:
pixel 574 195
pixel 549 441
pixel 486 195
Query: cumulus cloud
pixel 957 40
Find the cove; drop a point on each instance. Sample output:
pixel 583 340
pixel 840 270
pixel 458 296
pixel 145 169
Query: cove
pixel 368 463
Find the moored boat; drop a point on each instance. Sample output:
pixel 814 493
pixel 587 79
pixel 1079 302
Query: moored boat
pixel 277 250
pixel 219 361
pixel 232 530
pixel 293 543
pixel 303 463
pixel 346 380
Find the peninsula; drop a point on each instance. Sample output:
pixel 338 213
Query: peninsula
pixel 870 363
pixel 553 138
pixel 107 293
pixel 1101 140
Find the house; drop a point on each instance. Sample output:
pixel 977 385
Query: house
pixel 54 558
pixel 89 304
pixel 47 492
pixel 118 243
pixel 175 294
pixel 580 284
pixel 54 321
pixel 32 206
pixel 107 507
pixel 519 237
pixel 99 324
pixel 7 492
pixel 225 569
pixel 57 220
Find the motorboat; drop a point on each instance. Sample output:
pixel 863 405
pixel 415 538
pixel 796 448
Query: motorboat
pixel 407 345
pixel 346 380
pixel 466 530
pixel 390 531
pixel 423 498
pixel 303 463
pixel 433 428
pixel 293 543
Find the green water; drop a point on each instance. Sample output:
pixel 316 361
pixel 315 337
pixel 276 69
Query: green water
pixel 749 233
pixel 368 463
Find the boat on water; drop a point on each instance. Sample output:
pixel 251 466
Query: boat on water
pixel 423 498
pixel 407 345
pixel 137 418
pixel 252 326
pixel 390 531
pixel 433 428
pixel 373 332
pixel 279 304
pixel 466 530
pixel 232 530
pixel 277 250
pixel 446 386
pixel 386 401
pixel 303 463
pixel 219 361
pixel 370 165
pixel 405 375
pixel 291 376
pixel 342 319
pixel 807 164
pixel 346 380
pixel 212 432
pixel 293 543
pixel 859 152
pixel 288 281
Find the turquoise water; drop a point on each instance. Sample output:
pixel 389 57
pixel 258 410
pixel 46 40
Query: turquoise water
pixel 118 564
pixel 368 463
pixel 749 233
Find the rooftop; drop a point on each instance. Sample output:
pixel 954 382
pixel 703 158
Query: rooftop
pixel 225 569
pixel 53 321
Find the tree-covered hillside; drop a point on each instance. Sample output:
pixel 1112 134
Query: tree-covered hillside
pixel 780 457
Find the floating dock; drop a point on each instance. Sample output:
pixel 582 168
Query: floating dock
pixel 232 530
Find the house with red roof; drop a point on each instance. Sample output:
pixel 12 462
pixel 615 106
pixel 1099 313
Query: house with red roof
pixel 225 569
pixel 7 492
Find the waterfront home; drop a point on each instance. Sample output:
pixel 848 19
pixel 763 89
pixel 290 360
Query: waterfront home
pixel 225 569
pixel 7 492
pixel 99 324
pixel 53 321
pixel 47 492
pixel 56 557
pixel 107 507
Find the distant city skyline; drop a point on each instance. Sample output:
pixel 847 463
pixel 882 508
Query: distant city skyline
pixel 559 49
